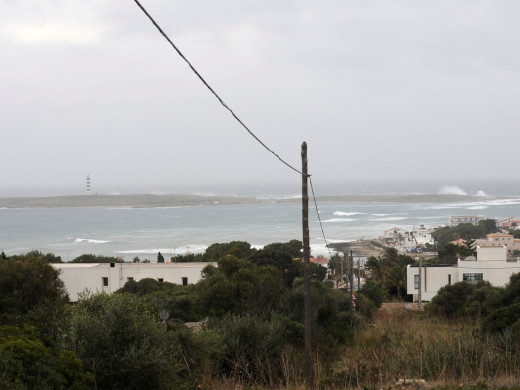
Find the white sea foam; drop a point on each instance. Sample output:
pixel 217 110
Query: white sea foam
pixel 451 190
pixel 481 207
pixel 388 219
pixel 503 202
pixel 339 220
pixel 90 241
pixel 443 207
pixel 344 214
pixel 181 250
pixel 481 193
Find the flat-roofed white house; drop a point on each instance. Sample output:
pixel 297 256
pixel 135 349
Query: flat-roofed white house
pixel 458 219
pixel 491 264
pixel 109 277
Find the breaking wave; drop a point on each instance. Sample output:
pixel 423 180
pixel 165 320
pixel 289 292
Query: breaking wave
pixel 451 190
pixel 344 214
pixel 90 241
pixel 339 220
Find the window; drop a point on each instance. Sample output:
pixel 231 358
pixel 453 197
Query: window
pixel 105 282
pixel 449 280
pixel 184 281
pixel 472 278
pixel 416 282
pixel 160 280
pixel 129 278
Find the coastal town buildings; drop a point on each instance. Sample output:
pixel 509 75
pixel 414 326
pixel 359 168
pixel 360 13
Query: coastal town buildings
pixel 458 219
pixel 110 277
pixel 407 240
pixel 491 264
pixel 509 223
pixel 498 239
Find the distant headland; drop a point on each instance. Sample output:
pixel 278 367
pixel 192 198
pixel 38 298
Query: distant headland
pixel 186 200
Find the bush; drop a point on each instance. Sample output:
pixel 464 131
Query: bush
pixel 123 342
pixel 374 291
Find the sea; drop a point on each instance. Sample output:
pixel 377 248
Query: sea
pixel 360 210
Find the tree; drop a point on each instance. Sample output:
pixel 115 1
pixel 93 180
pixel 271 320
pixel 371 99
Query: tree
pixel 450 253
pixel 390 271
pixel 280 260
pixel 90 258
pixel 465 231
pixel 31 292
pixel 122 341
pixel 160 258
pixel 239 249
pixel 515 233
pixel 374 291
pixel 240 287
pixel 489 225
pixel 181 302
pixel 292 248
pixel 27 363
pixel 48 257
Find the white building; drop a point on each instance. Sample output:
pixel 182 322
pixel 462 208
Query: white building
pixel 490 265
pixel 458 219
pixel 109 277
pixel 393 235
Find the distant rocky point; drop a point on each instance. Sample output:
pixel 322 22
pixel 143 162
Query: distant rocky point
pixel 137 201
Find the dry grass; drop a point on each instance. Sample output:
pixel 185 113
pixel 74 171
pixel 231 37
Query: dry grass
pixel 401 344
pixel 408 344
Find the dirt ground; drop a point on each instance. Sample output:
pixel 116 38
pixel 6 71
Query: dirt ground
pixel 365 248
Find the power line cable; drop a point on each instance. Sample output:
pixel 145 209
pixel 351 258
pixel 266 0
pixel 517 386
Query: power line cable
pixel 211 89
pixel 319 218
pixel 233 113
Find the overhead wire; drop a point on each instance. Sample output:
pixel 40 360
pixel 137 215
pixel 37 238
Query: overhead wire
pixel 232 112
pixel 211 89
pixel 319 218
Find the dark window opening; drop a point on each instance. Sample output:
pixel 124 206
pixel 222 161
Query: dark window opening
pixel 472 278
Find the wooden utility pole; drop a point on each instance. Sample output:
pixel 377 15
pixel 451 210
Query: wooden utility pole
pixel 358 273
pixel 307 270
pixel 419 304
pixel 351 287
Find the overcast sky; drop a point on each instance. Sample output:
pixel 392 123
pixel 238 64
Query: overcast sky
pixel 379 90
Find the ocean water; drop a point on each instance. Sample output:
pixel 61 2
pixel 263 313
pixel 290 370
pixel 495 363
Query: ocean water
pixel 142 232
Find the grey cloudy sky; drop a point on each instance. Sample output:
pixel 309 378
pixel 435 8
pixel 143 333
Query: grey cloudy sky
pixel 379 89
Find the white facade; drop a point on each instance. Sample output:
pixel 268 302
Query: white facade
pixel 109 277
pixel 458 219
pixel 490 265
